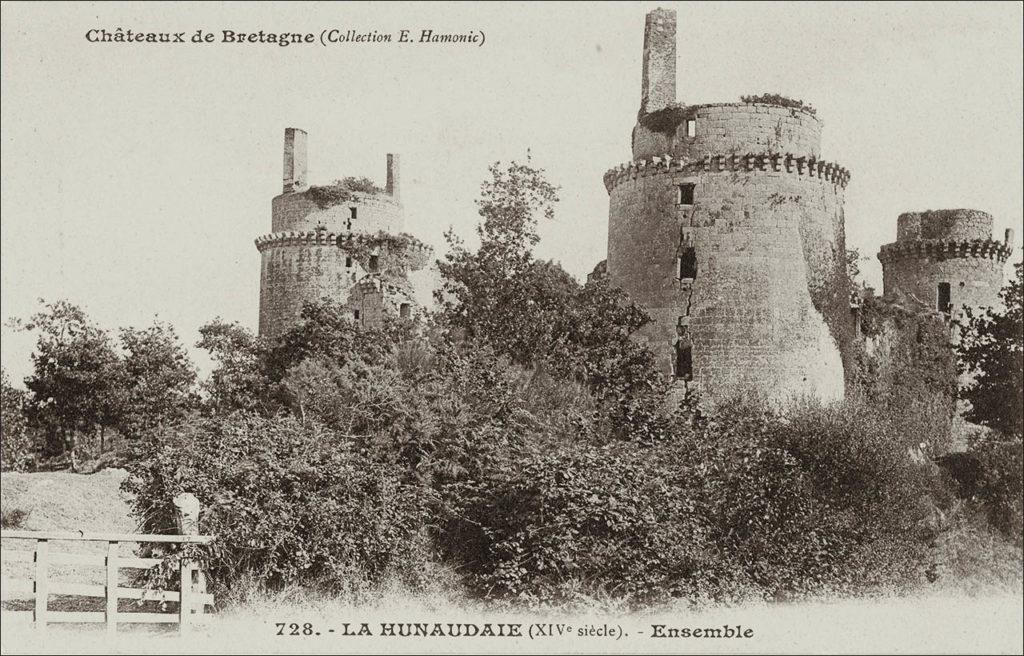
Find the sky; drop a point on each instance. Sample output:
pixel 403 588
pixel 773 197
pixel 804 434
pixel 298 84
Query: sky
pixel 135 177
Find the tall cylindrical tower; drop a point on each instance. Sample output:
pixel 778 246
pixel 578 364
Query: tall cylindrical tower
pixel 728 228
pixel 945 259
pixel 341 242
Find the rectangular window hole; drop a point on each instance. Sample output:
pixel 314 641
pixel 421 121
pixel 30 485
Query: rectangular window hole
pixel 687 264
pixel 685 194
pixel 684 361
pixel 691 127
pixel 404 310
pixel 943 297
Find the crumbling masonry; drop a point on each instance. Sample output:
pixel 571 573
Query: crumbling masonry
pixel 336 243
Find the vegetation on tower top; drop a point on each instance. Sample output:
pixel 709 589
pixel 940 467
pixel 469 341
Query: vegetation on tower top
pixel 779 99
pixel 341 191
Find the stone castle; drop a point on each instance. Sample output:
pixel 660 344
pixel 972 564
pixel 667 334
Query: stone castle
pixel 342 242
pixel 945 259
pixel 728 227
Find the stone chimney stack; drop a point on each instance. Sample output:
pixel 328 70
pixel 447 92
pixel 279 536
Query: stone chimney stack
pixel 659 74
pixel 1008 237
pixel 393 187
pixel 295 174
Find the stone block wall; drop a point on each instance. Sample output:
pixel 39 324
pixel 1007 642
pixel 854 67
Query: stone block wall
pixel 299 269
pixel 374 213
pixel 957 225
pixel 767 310
pixel 727 128
pixel 311 256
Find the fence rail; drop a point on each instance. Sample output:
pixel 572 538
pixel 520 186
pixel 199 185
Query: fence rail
pixel 192 598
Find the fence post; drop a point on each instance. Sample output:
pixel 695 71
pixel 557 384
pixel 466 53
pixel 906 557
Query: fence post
pixel 42 588
pixel 187 509
pixel 185 600
pixel 112 582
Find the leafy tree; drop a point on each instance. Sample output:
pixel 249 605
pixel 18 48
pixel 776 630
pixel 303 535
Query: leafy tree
pixel 238 382
pixel 158 378
pixel 75 381
pixel 537 315
pixel 992 350
pixel 15 439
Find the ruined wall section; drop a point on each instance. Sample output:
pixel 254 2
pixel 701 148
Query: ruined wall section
pixel 373 213
pixel 767 310
pixel 333 242
pixel 727 128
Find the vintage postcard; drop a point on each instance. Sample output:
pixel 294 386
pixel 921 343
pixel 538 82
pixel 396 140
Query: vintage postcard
pixel 457 327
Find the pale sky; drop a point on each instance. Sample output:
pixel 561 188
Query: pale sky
pixel 135 177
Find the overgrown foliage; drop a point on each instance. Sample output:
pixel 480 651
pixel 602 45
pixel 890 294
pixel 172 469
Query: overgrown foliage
pixel 992 355
pixel 907 369
pixel 780 100
pixel 537 315
pixel 16 448
pixel 745 503
pixel 992 352
pixel 342 191
pixel 521 438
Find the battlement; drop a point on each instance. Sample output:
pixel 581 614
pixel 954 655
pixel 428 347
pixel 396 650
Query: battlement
pixel 939 249
pixel 789 163
pixel 418 252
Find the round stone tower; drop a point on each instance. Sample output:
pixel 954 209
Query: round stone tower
pixel 341 242
pixel 945 259
pixel 727 226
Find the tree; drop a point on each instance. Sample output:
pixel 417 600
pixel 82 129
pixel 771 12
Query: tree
pixel 992 351
pixel 15 438
pixel 537 315
pixel 238 382
pixel 157 380
pixel 75 381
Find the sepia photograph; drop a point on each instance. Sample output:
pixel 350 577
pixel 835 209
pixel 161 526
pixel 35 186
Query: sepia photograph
pixel 512 327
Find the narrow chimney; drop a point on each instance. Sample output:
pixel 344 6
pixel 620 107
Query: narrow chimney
pixel 1008 237
pixel 393 187
pixel 659 75
pixel 294 160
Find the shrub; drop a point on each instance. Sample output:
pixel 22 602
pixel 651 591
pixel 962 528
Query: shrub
pixel 289 503
pixel 778 99
pixel 16 448
pixel 1000 485
pixel 341 191
pixel 746 502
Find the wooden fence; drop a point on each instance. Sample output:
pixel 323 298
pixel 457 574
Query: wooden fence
pixel 192 598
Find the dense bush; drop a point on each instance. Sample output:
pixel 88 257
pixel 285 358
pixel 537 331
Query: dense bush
pixel 17 449
pixel 999 487
pixel 744 503
pixel 288 502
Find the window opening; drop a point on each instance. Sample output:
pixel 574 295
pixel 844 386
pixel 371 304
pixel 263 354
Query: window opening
pixel 686 194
